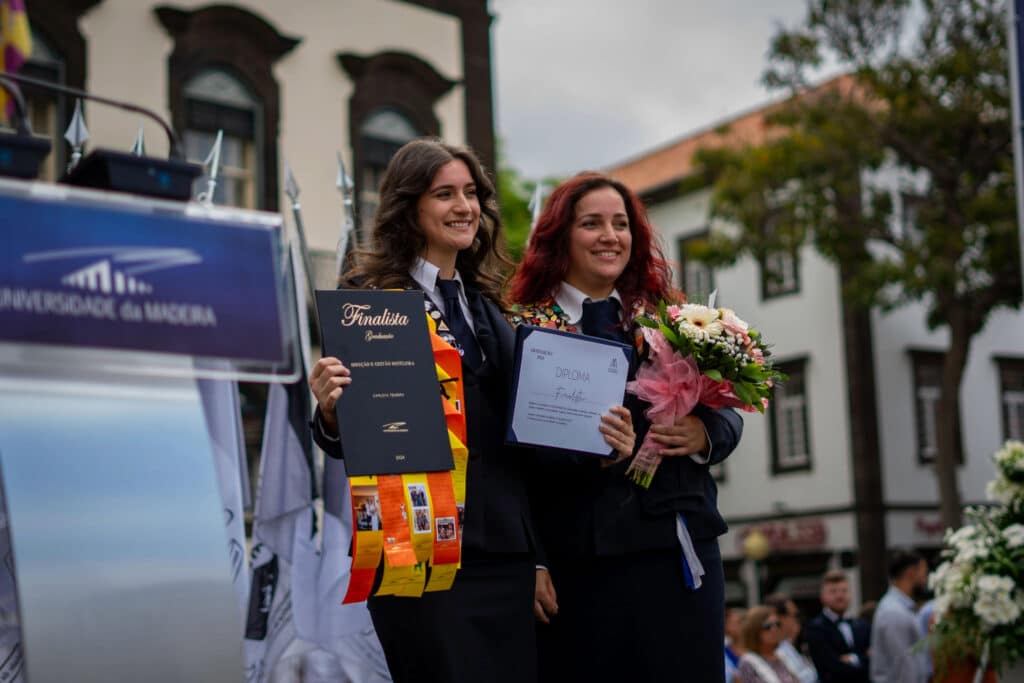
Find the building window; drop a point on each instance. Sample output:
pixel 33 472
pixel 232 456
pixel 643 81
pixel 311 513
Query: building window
pixel 788 418
pixel 779 274
pixel 392 102
pixel 59 55
pixel 696 278
pixel 780 267
pixel 216 100
pixel 381 135
pixel 46 109
pixel 911 206
pixel 1011 394
pixel 927 393
pixel 221 76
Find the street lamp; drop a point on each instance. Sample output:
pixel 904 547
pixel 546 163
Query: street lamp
pixel 755 549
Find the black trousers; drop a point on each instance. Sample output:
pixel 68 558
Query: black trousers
pixel 481 630
pixel 631 618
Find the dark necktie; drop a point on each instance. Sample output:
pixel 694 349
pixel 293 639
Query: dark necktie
pixel 459 326
pixel 601 319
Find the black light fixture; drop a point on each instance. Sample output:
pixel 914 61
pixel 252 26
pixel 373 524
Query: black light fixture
pixel 104 169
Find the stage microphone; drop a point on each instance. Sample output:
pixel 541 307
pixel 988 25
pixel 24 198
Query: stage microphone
pixel 112 170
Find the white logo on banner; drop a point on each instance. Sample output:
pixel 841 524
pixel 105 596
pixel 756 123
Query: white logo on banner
pixel 103 276
pixel 100 277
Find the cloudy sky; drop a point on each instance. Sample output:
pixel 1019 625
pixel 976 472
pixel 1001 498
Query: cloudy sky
pixel 587 83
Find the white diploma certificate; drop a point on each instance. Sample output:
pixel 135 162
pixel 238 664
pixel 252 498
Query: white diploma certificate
pixel 564 383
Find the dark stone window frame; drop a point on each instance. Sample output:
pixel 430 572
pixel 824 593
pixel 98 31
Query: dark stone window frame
pixel 769 288
pixel 391 80
pixel 475 25
pixel 926 364
pixel 243 44
pixel 1011 378
pixel 793 367
pixel 766 285
pixel 682 245
pixel 57 22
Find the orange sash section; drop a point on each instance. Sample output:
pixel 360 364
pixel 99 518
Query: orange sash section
pixel 398 550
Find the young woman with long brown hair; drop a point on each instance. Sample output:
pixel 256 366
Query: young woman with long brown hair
pixel 438 230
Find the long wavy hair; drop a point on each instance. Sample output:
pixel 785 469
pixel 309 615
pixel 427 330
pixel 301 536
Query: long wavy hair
pixel 397 238
pixel 546 261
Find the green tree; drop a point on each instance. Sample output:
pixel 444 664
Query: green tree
pixel 514 194
pixel 926 93
pixel 514 200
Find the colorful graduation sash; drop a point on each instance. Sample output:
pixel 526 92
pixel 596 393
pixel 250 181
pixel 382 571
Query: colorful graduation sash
pixel 410 525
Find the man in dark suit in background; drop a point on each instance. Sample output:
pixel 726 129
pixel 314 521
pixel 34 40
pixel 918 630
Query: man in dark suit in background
pixel 838 646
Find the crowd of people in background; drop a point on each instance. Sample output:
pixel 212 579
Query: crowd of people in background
pixel 768 643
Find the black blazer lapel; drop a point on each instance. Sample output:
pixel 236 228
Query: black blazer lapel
pixel 492 331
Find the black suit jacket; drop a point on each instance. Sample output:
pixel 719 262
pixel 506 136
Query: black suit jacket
pixel 582 508
pixel 497 517
pixel 826 645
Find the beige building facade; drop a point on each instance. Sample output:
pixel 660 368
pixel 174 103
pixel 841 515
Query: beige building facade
pixel 294 82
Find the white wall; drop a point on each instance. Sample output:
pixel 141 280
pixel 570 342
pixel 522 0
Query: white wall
pixel 905 480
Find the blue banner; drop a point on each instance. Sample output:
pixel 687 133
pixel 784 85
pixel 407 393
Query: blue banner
pixel 126 276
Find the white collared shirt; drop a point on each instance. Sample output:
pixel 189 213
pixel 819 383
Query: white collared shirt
pixel 571 300
pixel 426 275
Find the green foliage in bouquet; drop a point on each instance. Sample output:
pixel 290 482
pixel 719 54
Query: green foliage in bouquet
pixel 979 587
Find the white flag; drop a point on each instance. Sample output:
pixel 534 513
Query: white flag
pixel 282 530
pixel 224 423
pixel 12 660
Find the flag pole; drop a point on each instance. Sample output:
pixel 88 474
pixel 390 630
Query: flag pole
pixel 348 227
pixel 291 188
pixel 76 135
pixel 212 166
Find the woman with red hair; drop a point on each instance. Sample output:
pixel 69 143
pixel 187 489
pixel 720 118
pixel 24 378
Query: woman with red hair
pixel 616 598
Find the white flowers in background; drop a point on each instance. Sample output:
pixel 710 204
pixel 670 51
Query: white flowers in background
pixel 1002 490
pixel 979 587
pixel 1011 456
pixel 995 601
pixel 1014 535
pixel 953 585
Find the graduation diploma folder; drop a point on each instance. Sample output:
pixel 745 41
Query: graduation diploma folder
pixel 390 418
pixel 563 384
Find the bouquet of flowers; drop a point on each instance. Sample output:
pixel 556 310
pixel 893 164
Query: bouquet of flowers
pixel 979 587
pixel 698 354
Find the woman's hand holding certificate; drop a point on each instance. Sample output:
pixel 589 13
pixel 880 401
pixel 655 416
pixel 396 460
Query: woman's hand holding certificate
pixel 328 380
pixel 617 428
